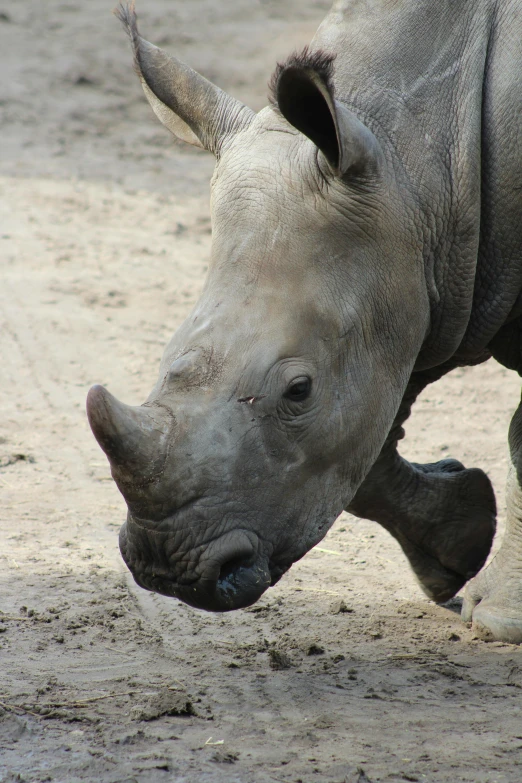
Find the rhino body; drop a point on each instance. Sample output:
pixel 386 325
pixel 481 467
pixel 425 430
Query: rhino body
pixel 367 239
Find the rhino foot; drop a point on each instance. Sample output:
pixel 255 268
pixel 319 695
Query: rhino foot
pixel 450 539
pixel 436 581
pixel 442 515
pixel 493 601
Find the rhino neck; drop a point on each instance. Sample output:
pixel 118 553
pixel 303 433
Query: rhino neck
pixel 421 95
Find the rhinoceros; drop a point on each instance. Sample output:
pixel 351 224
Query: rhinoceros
pixel 367 239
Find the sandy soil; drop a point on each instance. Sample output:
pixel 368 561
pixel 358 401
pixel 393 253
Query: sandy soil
pixel 105 237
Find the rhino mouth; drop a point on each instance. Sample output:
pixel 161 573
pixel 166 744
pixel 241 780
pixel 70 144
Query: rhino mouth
pixel 234 572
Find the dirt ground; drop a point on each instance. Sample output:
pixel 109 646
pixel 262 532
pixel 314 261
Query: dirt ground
pixel 105 238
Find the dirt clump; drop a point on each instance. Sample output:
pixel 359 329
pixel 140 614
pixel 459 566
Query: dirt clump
pixel 166 702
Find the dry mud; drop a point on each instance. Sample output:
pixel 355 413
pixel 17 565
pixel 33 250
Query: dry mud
pixel 105 238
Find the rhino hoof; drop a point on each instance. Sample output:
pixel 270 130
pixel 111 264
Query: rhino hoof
pixel 493 601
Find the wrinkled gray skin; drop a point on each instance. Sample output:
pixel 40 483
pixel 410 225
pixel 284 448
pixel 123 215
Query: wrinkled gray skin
pixel 365 242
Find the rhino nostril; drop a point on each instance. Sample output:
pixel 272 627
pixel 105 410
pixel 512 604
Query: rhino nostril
pixel 233 573
pixel 233 565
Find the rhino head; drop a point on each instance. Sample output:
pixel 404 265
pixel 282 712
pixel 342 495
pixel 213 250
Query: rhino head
pixel 276 394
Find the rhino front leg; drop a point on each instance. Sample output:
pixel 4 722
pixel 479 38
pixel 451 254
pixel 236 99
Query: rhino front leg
pixel 442 514
pixel 493 600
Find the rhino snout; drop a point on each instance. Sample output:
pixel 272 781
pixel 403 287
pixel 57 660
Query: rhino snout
pixel 231 572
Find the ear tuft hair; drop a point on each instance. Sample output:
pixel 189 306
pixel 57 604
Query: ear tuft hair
pixel 126 13
pixel 320 62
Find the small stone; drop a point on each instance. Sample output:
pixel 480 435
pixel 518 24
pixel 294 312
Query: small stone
pixel 340 607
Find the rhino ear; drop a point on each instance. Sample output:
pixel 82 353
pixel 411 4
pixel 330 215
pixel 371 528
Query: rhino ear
pixel 303 90
pixel 191 107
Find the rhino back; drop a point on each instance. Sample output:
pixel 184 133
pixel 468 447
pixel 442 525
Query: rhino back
pixel 434 82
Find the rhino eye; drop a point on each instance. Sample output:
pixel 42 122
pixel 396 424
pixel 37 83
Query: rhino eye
pixel 298 390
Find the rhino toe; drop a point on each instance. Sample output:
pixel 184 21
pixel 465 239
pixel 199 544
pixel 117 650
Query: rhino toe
pixel 493 602
pixel 497 622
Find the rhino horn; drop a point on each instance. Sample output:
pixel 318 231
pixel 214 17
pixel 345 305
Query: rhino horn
pixel 133 438
pixel 191 107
